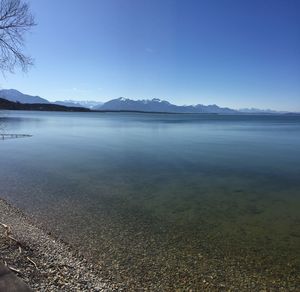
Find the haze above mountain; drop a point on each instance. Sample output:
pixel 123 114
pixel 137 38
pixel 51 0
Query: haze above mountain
pixel 125 104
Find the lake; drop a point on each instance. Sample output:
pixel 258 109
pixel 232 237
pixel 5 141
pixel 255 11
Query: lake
pixel 163 200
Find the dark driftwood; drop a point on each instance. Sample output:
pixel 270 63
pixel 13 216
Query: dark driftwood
pixel 10 282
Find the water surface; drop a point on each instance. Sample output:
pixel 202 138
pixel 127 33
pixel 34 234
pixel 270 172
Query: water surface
pixel 163 200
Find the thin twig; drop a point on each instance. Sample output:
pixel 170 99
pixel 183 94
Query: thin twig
pixel 3 225
pixel 14 269
pixel 7 229
pixel 28 258
pixel 13 239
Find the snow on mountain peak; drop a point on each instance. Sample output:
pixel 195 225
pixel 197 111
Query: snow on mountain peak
pixel 123 99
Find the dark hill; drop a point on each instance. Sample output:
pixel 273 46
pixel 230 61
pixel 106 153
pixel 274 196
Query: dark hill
pixel 10 105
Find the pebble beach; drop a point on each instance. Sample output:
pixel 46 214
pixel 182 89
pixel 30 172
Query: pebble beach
pixel 43 262
pixel 46 263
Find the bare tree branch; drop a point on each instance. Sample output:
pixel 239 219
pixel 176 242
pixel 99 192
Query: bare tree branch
pixel 15 21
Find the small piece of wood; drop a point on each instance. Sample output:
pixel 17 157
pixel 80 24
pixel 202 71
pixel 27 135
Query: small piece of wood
pixel 28 258
pixel 13 239
pixel 14 269
pixel 7 228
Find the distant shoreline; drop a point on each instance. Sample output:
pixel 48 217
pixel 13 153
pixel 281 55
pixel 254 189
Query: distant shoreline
pixel 151 112
pixel 10 105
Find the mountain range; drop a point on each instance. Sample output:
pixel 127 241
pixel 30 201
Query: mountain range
pixel 126 104
pixel 90 104
pixel 157 105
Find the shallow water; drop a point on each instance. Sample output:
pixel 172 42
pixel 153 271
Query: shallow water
pixel 150 196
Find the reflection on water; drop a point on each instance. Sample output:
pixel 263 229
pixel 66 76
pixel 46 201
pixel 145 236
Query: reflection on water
pixel 165 200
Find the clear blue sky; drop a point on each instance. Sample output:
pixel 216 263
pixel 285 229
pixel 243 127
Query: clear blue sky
pixel 236 53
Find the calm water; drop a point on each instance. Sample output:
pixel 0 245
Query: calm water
pixel 163 199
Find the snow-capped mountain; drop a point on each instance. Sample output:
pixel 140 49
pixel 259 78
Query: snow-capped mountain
pixel 81 103
pixel 126 104
pixel 17 96
pixel 157 105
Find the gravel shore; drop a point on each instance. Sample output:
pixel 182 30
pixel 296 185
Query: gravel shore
pixel 48 264
pixel 43 262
